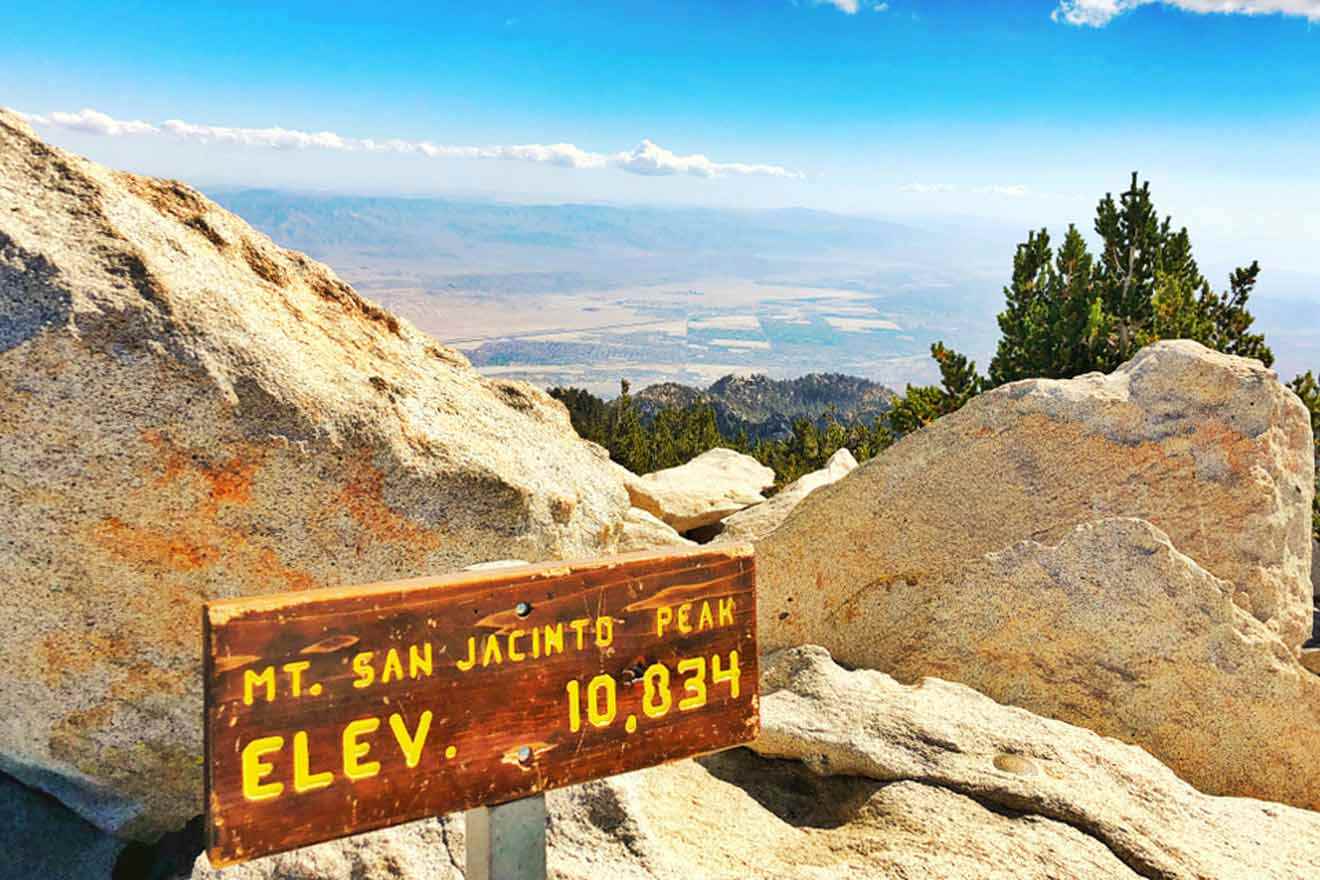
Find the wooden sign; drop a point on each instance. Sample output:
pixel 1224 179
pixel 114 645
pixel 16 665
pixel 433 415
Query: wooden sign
pixel 331 712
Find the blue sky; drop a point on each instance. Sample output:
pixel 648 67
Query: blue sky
pixel 1023 111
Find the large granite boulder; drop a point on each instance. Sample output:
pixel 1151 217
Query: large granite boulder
pixel 864 723
pixel 1115 630
pixel 883 780
pixel 189 412
pixel 760 520
pixel 1209 448
pixel 715 484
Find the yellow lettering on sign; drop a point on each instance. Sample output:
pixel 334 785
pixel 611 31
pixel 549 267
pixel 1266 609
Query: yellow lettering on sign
pixel 492 653
pixel 254 769
pixel 580 627
pixel 362 666
pixel 419 662
pixel 732 675
pixel 295 670
pixel 707 620
pixel 465 665
pixel 554 638
pixel 695 684
pixel 536 642
pixel 664 615
pixel 684 618
pixel 604 631
pixel 252 679
pixel 411 745
pixel 393 666
pixel 303 778
pixel 354 767
pixel 726 612
pixel 515 654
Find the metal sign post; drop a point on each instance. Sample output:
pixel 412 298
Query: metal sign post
pixel 507 841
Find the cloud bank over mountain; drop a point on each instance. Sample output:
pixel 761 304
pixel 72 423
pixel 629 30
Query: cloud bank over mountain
pixel 647 158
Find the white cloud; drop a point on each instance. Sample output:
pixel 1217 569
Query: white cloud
pixel 652 159
pixel 95 122
pixel 279 138
pixel 646 158
pixel 1013 191
pixel 849 7
pixel 1098 13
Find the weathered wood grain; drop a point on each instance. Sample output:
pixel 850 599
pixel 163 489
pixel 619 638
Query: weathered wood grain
pixel 494 732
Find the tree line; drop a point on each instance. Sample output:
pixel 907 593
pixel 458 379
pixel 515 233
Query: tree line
pixel 676 435
pixel 1066 312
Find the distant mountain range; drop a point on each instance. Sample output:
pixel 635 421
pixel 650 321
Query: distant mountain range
pixel 442 226
pixel 766 408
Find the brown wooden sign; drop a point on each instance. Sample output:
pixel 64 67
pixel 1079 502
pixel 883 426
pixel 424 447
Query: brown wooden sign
pixel 331 712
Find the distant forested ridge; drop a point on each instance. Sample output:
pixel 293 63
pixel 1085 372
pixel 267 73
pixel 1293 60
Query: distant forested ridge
pixel 765 408
pixel 790 426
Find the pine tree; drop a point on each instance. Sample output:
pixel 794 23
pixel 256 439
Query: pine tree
pixel 1133 240
pixel 921 405
pixel 1024 324
pixel 1069 313
pixel 631 447
pixel 701 431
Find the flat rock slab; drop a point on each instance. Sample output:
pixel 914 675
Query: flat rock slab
pixel 1114 630
pixel 41 838
pixel 704 491
pixel 864 723
pixel 757 521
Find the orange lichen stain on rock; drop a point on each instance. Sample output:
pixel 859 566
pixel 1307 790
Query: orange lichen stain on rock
pixel 363 498
pixel 150 547
pixel 175 463
pixel 145 678
pixel 66 654
pixel 231 481
pixel 228 482
pixel 295 578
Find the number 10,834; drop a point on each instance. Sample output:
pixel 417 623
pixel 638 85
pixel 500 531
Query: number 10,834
pixel 659 695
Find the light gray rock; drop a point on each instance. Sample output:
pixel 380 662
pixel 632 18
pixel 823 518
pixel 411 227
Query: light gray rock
pixel 495 565
pixel 1209 448
pixel 41 838
pixel 863 723
pixel 643 531
pixel 593 831
pixel 710 487
pixel 757 521
pixel 1114 630
pixel 733 816
pixel 190 412
pixel 1310 658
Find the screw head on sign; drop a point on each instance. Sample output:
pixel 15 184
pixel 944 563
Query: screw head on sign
pixel 523 608
pixel 525 755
